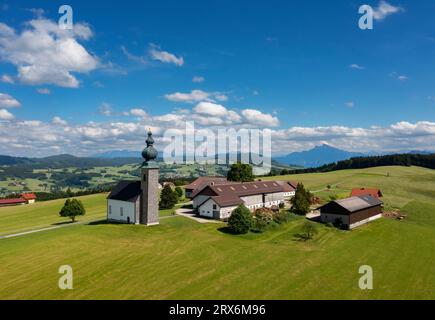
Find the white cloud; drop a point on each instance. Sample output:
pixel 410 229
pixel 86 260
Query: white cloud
pixel 402 78
pixel 163 56
pixel 45 54
pixel 138 113
pixel 198 79
pixel 43 91
pixel 6 115
pixel 212 109
pixel 256 117
pixel 356 66
pixel 106 109
pixel 385 9
pixel 7 79
pixel 350 104
pixel 132 57
pixel 196 96
pixel 59 121
pixel 7 101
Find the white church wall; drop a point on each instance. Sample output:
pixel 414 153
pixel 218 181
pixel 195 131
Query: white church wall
pixel 121 211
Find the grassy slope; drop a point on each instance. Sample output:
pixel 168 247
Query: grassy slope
pixel 45 214
pixel 184 259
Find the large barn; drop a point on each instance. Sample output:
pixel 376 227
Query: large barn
pixel 352 212
pixel 219 201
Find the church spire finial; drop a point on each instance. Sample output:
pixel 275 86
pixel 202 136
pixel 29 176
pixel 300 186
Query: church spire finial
pixel 149 153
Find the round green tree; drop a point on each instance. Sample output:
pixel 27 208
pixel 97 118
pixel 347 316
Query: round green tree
pixel 240 172
pixel 72 208
pixel 240 220
pixel 168 198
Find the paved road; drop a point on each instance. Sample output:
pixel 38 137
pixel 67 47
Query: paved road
pixel 188 213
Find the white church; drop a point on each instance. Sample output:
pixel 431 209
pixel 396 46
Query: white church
pixel 137 202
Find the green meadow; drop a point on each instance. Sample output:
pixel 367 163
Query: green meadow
pixel 182 259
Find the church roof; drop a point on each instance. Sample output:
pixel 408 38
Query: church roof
pixel 126 190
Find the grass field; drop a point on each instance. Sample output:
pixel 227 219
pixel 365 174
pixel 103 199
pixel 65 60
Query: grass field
pixel 182 259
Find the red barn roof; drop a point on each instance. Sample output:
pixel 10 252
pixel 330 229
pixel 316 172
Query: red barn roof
pixel 12 201
pixel 28 196
pixel 366 192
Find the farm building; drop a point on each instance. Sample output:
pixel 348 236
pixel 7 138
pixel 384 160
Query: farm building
pixel 352 212
pixel 26 198
pixel 219 201
pixel 201 183
pixel 366 192
pixel 29 197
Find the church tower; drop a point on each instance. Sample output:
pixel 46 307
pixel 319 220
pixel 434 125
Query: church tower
pixel 149 213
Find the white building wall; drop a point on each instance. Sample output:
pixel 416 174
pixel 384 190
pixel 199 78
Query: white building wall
pixel 206 210
pixel 226 212
pixel 273 199
pixel 360 223
pixel 115 213
pixel 198 200
pixel 253 202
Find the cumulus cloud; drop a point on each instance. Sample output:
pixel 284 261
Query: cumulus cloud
pixel 7 79
pixel 259 118
pixel 196 96
pixel 6 115
pixel 45 54
pixel 7 101
pixel 163 56
pixel 384 9
pixel 59 121
pixel 138 113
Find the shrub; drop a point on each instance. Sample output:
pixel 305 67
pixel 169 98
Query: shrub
pixel 281 217
pixel 240 220
pixel 309 229
pixel 262 218
pixel 179 192
pixel 282 205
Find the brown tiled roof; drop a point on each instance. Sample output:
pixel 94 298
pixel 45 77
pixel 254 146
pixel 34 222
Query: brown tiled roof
pixel 231 194
pixel 366 192
pixel 287 186
pixel 203 181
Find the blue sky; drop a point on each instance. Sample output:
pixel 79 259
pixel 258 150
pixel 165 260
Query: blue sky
pixel 301 68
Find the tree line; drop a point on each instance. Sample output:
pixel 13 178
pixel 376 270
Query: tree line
pixel 420 160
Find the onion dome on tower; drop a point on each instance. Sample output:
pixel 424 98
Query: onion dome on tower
pixel 149 153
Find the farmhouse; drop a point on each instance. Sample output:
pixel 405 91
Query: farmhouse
pixel 29 197
pixel 219 201
pixel 366 192
pixel 26 198
pixel 352 212
pixel 201 183
pixel 136 202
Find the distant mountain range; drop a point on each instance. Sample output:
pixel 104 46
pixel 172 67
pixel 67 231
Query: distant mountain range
pixel 65 161
pixel 325 154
